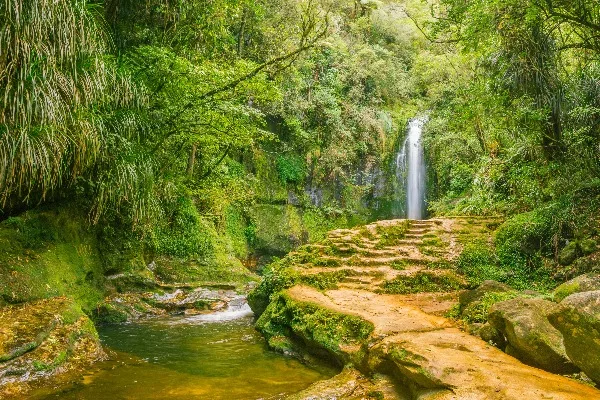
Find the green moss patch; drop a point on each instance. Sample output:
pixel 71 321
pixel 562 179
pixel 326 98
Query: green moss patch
pixel 390 234
pixel 423 282
pixel 282 274
pixel 318 328
pixel 50 253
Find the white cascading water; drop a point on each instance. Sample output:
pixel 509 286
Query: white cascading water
pixel 410 169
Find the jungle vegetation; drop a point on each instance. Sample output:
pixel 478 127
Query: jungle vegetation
pixel 180 122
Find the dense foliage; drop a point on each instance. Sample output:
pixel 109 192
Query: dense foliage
pixel 169 118
pixel 247 125
pixel 516 132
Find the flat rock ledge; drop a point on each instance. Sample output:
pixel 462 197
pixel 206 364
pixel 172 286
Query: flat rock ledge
pixel 392 345
pixel 426 355
pixel 44 342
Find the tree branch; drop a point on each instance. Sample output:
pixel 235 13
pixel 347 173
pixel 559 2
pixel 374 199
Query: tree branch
pixel 215 165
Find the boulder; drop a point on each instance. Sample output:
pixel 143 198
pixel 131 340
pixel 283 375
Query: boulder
pixel 42 340
pixel 583 283
pixel 491 335
pixel 588 246
pixel 474 304
pixel 568 254
pixel 578 319
pixel 530 336
pixel 196 300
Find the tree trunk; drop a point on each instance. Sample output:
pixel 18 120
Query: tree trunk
pixel 192 161
pixel 242 33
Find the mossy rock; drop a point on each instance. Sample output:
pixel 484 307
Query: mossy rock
pixel 108 313
pixel 333 335
pixel 530 336
pixel 588 246
pixel 287 272
pixel 477 294
pixel 474 304
pixel 43 340
pixel 349 384
pixel 491 335
pixel 582 283
pixel 578 319
pixel 478 311
pixel 569 254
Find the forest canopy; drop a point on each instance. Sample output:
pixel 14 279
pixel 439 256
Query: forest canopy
pixel 170 119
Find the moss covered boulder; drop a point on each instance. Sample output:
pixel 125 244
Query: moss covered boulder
pixel 583 283
pixel 44 340
pixel 588 246
pixel 471 296
pixel 578 319
pixel 290 326
pixel 569 254
pixel 530 336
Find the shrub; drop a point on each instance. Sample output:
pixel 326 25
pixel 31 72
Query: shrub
pixel 291 169
pixel 187 234
pixel 479 263
pixel 521 243
pixel 523 239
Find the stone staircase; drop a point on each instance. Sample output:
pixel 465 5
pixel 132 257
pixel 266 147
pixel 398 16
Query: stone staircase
pixel 400 277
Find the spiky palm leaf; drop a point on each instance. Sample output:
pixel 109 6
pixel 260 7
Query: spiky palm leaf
pixel 60 102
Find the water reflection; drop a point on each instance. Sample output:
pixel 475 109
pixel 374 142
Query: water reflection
pixel 219 356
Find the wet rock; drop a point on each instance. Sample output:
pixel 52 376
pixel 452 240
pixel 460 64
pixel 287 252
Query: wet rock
pixel 349 384
pixel 474 304
pixel 530 336
pixel 132 306
pixel 578 319
pixel 42 340
pixel 199 299
pixel 583 283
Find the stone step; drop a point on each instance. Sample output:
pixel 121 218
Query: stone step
pixel 378 262
pixel 359 279
pixel 409 242
pixel 355 286
pixel 417 231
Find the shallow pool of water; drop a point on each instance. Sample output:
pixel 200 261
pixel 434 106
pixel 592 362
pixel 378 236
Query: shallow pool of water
pixel 202 357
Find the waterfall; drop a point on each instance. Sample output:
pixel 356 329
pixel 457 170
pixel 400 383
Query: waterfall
pixel 410 169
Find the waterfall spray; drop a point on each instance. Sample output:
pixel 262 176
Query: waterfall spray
pixel 410 169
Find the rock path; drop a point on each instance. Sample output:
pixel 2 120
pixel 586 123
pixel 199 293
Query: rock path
pixel 412 343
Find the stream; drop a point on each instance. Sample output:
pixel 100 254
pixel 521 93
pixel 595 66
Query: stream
pixel 211 356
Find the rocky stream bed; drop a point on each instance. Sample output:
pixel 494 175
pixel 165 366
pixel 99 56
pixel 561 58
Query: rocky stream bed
pixel 376 312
